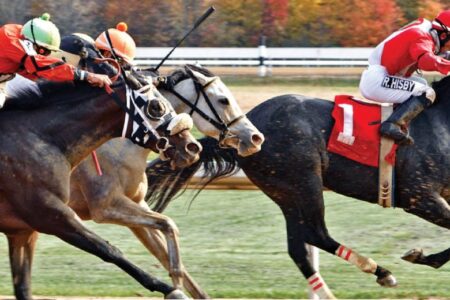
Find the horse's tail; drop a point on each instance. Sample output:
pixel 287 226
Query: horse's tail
pixel 164 183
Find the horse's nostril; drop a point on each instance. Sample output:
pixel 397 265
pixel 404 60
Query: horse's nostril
pixel 155 109
pixel 257 139
pixel 193 148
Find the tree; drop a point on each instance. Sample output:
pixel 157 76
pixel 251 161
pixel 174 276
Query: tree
pixel 428 9
pixel 354 23
pixel 410 9
pixel 274 19
pixel 304 26
pixel 236 23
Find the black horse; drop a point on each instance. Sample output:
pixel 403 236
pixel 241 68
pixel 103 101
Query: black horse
pixel 294 167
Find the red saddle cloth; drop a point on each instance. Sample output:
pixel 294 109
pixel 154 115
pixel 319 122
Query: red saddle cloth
pixel 355 134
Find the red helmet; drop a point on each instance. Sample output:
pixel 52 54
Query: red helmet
pixel 442 25
pixel 443 19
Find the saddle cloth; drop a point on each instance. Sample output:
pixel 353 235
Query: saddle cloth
pixel 355 134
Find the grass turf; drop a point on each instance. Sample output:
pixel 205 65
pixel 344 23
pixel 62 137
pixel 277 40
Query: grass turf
pixel 233 244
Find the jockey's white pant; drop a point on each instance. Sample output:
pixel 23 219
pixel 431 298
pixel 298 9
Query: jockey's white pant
pixel 4 78
pixel 2 93
pixel 377 85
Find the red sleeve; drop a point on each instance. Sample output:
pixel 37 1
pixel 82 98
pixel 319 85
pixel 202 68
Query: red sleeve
pixel 420 46
pixel 431 62
pixel 51 68
pixel 22 56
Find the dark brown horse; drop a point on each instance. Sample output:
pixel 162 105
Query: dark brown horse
pixel 294 166
pixel 45 135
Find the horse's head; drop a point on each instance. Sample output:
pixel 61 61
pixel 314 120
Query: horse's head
pixel 153 123
pixel 213 107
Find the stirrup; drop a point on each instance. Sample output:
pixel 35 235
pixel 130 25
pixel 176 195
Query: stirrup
pixel 394 132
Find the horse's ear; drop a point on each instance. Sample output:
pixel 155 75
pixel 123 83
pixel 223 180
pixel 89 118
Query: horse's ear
pixel 202 79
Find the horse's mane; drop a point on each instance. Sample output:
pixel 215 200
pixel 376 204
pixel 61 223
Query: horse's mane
pixel 27 97
pixel 185 72
pixel 164 183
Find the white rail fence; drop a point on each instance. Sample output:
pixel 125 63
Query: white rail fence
pixel 260 56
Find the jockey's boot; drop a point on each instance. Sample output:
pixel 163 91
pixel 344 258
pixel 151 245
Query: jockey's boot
pixel 395 127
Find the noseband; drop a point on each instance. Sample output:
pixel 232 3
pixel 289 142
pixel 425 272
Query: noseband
pixel 218 122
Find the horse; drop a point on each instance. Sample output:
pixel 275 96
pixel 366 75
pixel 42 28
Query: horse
pixel 215 113
pixel 294 167
pixel 44 139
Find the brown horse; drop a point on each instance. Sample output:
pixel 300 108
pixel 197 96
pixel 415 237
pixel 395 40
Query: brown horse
pixel 43 140
pixel 118 196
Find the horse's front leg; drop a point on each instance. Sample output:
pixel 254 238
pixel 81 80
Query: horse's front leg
pixel 21 251
pixel 155 242
pixel 50 215
pixel 435 209
pixel 119 209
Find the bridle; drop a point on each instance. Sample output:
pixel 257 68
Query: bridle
pixel 134 114
pixel 218 122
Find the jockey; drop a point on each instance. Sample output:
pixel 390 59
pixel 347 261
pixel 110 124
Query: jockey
pixel 117 43
pixel 388 78
pixel 25 51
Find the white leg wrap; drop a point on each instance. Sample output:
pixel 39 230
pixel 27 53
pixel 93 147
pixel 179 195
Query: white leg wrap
pixel 365 264
pixel 319 287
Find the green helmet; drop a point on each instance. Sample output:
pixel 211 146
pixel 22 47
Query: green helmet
pixel 42 32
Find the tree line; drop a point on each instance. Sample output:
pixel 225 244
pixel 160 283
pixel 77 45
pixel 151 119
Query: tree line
pixel 236 23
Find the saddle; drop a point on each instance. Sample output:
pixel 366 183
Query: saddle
pixel 355 135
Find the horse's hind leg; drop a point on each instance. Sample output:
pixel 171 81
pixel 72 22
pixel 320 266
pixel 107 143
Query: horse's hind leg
pixel 155 242
pixel 298 253
pixel 436 260
pixel 434 209
pixel 21 250
pixel 306 216
pixel 49 215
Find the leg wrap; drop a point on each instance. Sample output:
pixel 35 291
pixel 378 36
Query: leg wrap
pixel 365 264
pixel 319 287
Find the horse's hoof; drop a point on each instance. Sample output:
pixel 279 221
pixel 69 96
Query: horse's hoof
pixel 387 281
pixel 176 294
pixel 413 255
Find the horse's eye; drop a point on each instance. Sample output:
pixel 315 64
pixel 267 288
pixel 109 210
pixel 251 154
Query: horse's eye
pixel 224 101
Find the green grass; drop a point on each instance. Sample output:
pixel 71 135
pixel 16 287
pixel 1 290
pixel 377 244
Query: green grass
pixel 233 244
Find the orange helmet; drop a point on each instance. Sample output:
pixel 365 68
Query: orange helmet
pixel 122 43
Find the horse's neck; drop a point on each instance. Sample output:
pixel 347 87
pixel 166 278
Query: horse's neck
pixel 123 151
pixel 80 128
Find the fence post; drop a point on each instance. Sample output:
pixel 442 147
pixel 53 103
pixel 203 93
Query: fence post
pixel 313 257
pixel 262 56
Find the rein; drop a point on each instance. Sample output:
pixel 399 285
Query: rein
pixel 219 123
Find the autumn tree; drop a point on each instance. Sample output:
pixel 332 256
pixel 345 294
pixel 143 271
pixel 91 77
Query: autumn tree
pixel 428 9
pixel 237 23
pixel 304 26
pixel 354 23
